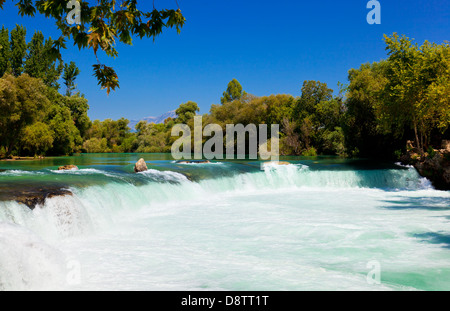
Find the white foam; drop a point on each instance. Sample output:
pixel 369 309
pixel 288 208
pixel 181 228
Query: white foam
pixel 166 175
pixel 86 171
pixel 27 262
pixel 19 173
pixel 284 228
pixel 197 164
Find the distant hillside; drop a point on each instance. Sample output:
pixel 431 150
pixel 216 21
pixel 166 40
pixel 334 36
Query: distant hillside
pixel 156 120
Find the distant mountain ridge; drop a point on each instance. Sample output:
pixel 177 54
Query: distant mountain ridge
pixel 156 120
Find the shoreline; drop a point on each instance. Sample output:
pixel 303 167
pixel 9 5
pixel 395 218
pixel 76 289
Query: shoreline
pixel 13 159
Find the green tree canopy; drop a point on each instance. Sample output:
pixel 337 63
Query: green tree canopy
pixel 416 92
pixel 23 101
pixel 234 91
pixel 40 63
pixel 18 49
pixel 313 93
pixel 186 112
pixel 71 71
pixel 37 138
pixel 5 52
pixel 363 137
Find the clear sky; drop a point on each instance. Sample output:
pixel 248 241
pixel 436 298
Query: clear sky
pixel 271 47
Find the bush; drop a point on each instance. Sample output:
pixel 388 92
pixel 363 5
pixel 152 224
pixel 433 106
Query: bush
pixel 2 152
pixel 334 142
pixel 431 152
pixel 310 152
pixel 96 145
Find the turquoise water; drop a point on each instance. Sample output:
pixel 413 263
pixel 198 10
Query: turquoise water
pixel 317 224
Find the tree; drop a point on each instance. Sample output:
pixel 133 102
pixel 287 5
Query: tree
pixel 5 51
pixel 53 68
pixel 18 49
pixel 95 145
pixel 279 107
pixel 79 107
pixel 363 136
pixel 113 133
pixel 186 112
pixel 23 101
pixel 40 63
pixel 313 93
pixel 233 92
pixel 410 98
pixel 37 138
pixel 152 138
pixel 71 72
pixel 318 113
pixel 67 137
pixel 34 63
pixel 334 142
pixel 102 25
pixel 290 143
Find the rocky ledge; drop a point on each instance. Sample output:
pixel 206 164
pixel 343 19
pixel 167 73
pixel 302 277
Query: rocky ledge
pixel 434 165
pixel 33 197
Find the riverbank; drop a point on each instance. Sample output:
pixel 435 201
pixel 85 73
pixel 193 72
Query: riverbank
pixel 22 158
pixel 433 165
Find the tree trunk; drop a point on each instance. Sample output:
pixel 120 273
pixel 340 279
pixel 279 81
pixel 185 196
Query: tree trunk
pixel 417 138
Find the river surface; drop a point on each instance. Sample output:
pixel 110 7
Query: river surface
pixel 317 224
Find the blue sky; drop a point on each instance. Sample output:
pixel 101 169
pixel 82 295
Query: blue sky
pixel 271 47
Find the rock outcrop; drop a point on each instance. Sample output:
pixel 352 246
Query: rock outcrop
pixel 446 145
pixel 68 168
pixel 37 196
pixel 434 165
pixel 140 166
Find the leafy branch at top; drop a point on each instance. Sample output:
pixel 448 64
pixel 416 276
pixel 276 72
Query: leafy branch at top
pixel 101 26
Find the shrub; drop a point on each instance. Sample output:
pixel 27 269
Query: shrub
pixel 310 152
pixel 431 152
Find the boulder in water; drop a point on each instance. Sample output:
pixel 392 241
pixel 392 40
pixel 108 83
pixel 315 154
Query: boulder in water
pixel 68 168
pixel 140 166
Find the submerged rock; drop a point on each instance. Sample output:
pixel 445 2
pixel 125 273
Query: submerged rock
pixel 67 168
pixel 140 166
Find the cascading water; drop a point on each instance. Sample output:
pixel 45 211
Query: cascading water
pixel 235 228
